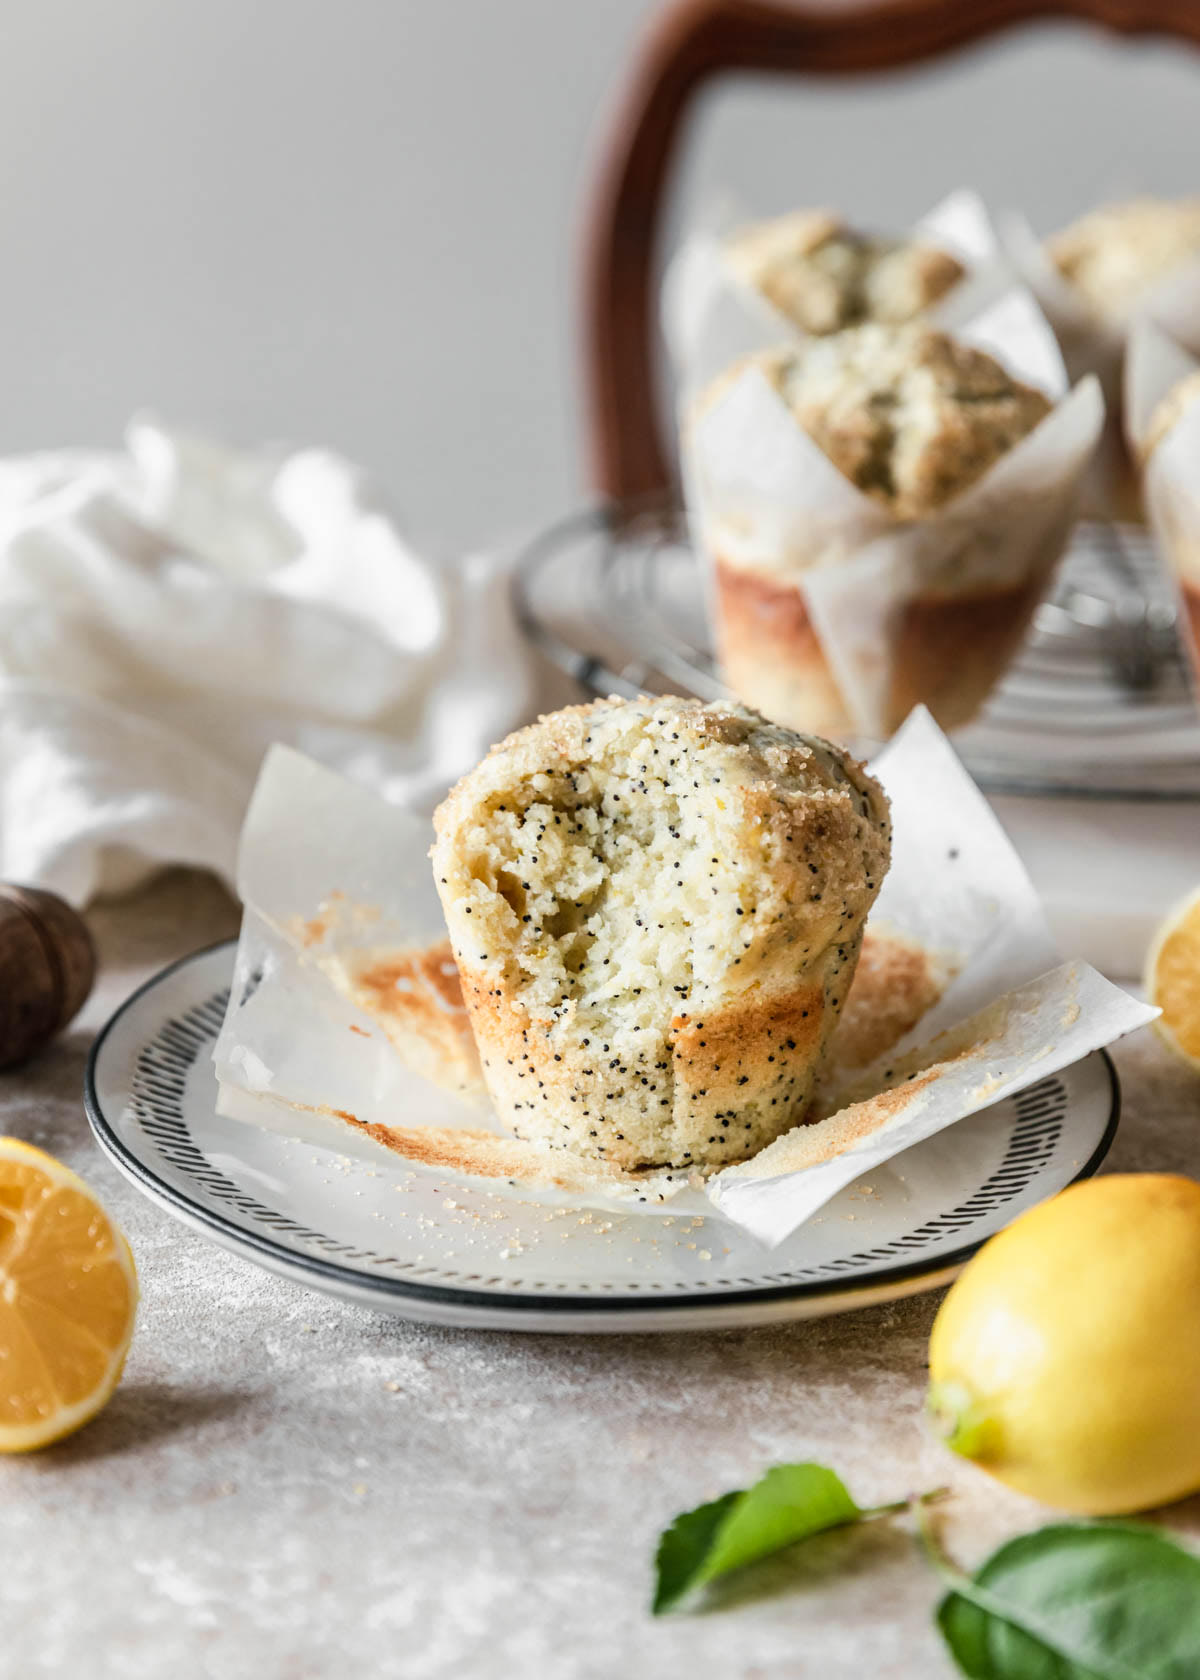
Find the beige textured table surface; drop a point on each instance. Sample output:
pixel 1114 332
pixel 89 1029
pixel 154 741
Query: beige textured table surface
pixel 287 1488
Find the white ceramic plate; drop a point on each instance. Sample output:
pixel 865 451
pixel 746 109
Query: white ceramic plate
pixel 429 1246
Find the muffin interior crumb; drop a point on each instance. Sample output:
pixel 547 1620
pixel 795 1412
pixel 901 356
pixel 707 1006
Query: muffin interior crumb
pixel 611 889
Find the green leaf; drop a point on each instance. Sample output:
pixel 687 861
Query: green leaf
pixel 789 1503
pixel 683 1548
pixel 1077 1601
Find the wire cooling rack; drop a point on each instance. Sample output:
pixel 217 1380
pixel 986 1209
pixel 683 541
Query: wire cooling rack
pixel 1099 703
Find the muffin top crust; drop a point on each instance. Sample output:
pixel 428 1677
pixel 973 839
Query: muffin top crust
pixel 823 275
pixel 908 414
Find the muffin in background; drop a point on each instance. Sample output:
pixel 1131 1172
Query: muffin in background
pixel 1114 254
pixel 824 275
pixel 1095 279
pixel 656 907
pixel 735 285
pixel 912 419
pixel 909 415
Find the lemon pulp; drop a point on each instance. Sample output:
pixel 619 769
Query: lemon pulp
pixel 68 1297
pixel 1173 979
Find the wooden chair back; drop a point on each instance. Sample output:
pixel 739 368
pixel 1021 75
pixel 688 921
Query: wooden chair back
pixel 689 44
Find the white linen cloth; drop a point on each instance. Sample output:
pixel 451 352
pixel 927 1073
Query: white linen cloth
pixel 170 610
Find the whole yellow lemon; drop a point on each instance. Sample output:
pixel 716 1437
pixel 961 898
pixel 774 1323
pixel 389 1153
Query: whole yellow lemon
pixel 1065 1361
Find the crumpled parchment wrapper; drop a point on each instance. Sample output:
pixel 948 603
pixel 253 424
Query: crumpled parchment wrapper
pixel 924 611
pixel 345 1028
pixel 1155 365
pixel 711 317
pixel 1113 488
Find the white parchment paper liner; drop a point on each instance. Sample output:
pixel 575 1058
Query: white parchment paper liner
pixel 763 495
pixel 710 316
pixel 296 1053
pixel 1024 1036
pixel 1155 365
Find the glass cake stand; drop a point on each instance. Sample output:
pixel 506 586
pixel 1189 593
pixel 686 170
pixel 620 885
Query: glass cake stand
pixel 1099 704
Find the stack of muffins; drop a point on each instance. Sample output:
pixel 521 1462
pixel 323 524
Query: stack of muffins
pixel 839 606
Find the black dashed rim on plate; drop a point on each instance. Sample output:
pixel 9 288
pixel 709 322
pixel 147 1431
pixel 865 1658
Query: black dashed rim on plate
pixel 160 1074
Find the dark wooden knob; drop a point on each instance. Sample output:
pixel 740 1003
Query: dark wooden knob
pixel 47 966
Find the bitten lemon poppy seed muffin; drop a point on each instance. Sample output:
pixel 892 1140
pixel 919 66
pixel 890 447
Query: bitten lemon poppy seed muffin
pixel 825 276
pixel 656 908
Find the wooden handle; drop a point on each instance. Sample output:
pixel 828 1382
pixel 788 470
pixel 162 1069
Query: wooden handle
pixel 688 43
pixel 47 967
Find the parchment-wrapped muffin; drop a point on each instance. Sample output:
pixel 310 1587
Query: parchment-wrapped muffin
pixel 656 908
pixel 742 287
pixel 824 275
pixel 1114 255
pixel 1094 279
pixel 850 585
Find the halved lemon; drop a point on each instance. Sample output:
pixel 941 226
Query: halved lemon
pixel 1173 979
pixel 68 1297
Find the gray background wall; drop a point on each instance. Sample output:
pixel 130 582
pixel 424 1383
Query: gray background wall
pixel 354 223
